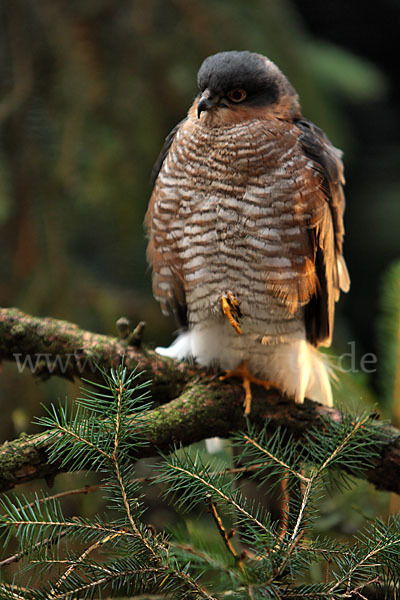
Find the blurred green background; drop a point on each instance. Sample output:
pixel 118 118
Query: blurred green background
pixel 89 89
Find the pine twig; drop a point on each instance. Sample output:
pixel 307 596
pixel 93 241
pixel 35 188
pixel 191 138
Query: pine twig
pixel 212 508
pixel 273 458
pixel 17 557
pixel 134 527
pixel 80 559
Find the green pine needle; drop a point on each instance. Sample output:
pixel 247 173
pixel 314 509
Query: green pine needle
pixel 70 557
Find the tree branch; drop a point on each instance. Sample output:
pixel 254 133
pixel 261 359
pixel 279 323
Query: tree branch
pixel 202 406
pixel 51 347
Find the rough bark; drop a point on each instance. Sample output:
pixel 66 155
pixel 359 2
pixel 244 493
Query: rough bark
pixel 190 405
pixel 51 347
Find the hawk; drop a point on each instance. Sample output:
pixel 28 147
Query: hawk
pixel 245 228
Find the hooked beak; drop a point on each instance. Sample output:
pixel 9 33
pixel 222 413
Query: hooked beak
pixel 206 102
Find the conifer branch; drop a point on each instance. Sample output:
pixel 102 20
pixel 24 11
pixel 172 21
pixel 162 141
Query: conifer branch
pixel 117 469
pixel 193 405
pixel 205 410
pixel 47 542
pixel 285 466
pixel 114 422
pixel 75 564
pixel 229 500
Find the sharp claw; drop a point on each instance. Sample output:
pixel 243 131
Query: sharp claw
pixel 230 303
pixel 247 378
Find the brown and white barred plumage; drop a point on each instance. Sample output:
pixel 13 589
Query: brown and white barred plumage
pixel 249 200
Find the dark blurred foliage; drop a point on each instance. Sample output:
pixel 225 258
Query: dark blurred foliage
pixel 88 92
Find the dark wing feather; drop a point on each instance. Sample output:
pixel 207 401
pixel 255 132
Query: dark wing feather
pixel 164 151
pixel 174 300
pixel 326 236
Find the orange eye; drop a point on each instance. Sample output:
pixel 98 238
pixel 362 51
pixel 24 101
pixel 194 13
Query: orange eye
pixel 237 95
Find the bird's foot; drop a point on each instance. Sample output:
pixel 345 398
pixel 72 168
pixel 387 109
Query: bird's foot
pixel 242 371
pixel 230 304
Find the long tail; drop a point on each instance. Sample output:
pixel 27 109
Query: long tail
pixel 303 372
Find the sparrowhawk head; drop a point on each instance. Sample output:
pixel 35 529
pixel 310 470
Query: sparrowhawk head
pixel 228 80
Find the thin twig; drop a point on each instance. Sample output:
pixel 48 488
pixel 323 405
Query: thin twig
pixel 205 557
pixel 288 554
pixel 304 502
pixel 124 575
pixel 328 569
pixel 272 457
pixel 119 477
pixel 378 548
pixel 81 439
pixel 15 596
pixel 80 559
pixel 87 489
pixel 17 557
pixel 228 500
pixel 339 448
pixel 316 473
pixel 221 529
pixel 67 524
pixel 285 498
pixel 364 585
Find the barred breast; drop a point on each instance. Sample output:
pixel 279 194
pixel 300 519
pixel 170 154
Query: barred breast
pixel 231 213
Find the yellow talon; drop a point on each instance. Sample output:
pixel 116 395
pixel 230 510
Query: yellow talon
pixel 230 303
pixel 242 371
